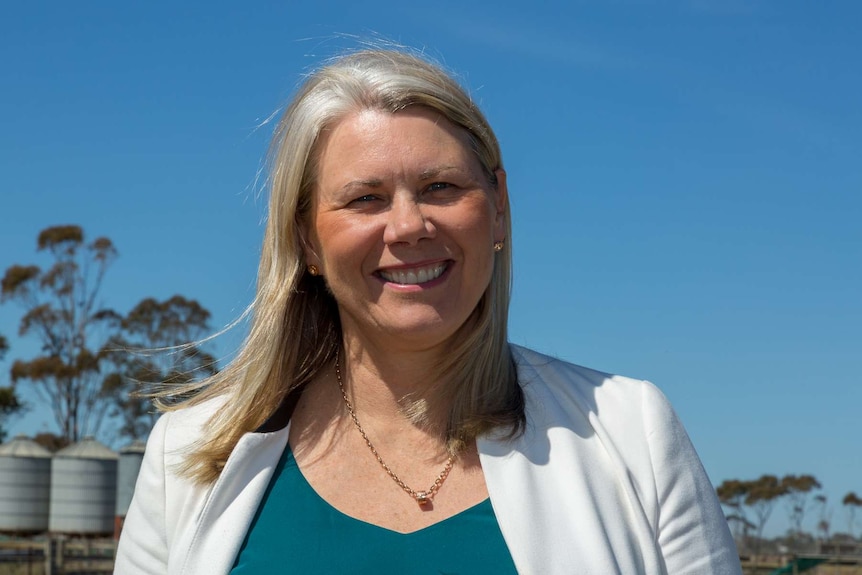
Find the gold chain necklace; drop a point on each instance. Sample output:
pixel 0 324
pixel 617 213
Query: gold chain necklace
pixel 421 497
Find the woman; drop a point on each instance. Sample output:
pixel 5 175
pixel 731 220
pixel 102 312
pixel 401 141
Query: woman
pixel 377 420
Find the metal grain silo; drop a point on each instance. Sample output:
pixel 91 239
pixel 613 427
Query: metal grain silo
pixel 25 481
pixel 83 489
pixel 131 457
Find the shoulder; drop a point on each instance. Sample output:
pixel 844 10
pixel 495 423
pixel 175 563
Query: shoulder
pixel 591 392
pixel 193 415
pixel 611 449
pixel 179 429
pixel 165 505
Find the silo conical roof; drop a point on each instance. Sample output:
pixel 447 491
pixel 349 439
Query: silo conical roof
pixel 87 448
pixel 23 446
pixel 137 446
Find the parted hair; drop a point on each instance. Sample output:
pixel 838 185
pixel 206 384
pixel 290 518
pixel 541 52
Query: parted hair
pixel 295 331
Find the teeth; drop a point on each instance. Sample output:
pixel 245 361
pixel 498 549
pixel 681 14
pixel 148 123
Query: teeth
pixel 414 276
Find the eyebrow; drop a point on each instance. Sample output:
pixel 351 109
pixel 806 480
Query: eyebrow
pixel 424 175
pixel 372 183
pixel 434 172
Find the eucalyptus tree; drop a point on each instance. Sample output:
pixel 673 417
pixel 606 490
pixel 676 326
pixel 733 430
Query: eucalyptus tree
pixel 851 503
pixel 762 495
pixel 824 518
pixel 62 312
pixel 797 489
pixel 156 348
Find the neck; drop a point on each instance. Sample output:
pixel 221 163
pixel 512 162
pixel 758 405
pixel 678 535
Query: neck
pixel 391 386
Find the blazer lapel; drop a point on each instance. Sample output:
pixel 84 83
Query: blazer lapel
pixel 232 503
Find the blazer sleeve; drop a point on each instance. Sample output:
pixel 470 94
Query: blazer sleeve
pixel 692 532
pixel 143 546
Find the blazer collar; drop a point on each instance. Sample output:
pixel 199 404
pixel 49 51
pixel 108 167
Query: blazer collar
pixel 233 502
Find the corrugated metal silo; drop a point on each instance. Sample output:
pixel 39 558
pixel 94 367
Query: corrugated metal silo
pixel 25 486
pixel 83 489
pixel 131 457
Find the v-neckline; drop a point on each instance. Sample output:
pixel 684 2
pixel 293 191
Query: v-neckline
pixel 290 460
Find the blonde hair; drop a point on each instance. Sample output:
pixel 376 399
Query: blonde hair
pixel 295 331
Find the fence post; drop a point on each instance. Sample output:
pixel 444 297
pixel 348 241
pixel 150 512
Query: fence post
pixel 49 555
pixel 60 556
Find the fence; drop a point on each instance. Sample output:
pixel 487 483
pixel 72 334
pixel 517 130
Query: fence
pixel 831 564
pixel 57 556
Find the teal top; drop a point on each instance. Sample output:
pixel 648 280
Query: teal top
pixel 296 531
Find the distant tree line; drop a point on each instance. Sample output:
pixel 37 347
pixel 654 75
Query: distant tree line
pixel 91 358
pixel 749 504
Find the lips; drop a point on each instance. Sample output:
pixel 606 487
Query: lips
pixel 413 276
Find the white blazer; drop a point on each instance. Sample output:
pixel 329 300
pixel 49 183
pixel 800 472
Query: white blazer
pixel 604 480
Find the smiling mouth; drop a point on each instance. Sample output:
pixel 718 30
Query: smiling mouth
pixel 414 276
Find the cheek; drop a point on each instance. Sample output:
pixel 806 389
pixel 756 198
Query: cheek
pixel 479 221
pixel 346 240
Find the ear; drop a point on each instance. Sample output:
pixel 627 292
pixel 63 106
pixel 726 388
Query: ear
pixel 501 204
pixel 307 243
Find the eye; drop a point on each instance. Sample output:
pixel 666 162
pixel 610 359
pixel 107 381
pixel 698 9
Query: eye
pixel 437 186
pixel 443 192
pixel 364 199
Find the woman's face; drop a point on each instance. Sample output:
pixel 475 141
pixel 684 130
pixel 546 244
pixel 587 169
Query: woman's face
pixel 402 226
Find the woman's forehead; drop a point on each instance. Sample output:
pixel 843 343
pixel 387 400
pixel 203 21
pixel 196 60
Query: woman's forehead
pixel 420 139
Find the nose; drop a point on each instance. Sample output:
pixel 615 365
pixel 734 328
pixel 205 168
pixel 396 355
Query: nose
pixel 407 221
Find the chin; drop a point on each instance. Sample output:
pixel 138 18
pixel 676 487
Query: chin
pixel 422 335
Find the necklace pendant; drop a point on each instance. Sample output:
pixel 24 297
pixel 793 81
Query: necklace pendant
pixel 423 498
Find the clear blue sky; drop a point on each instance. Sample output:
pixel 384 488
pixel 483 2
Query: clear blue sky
pixel 685 179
